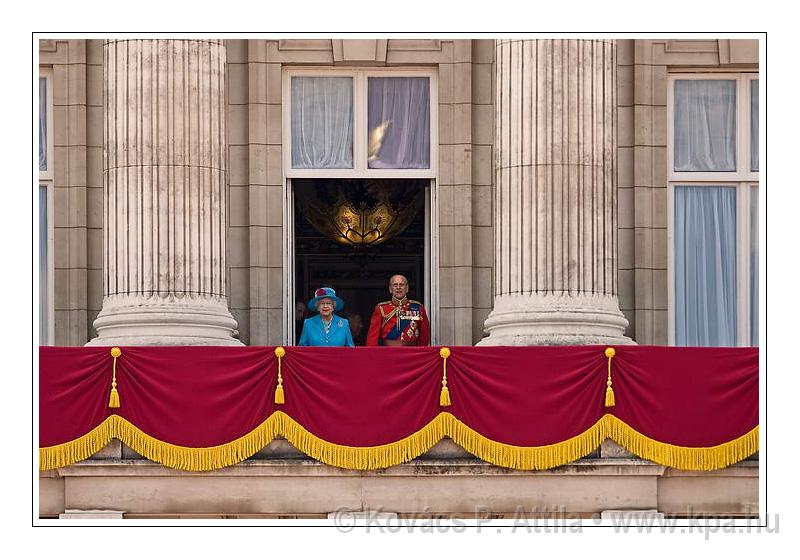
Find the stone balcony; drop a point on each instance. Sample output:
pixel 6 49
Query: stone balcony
pixel 280 481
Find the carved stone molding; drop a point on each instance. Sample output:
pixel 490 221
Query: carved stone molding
pixel 691 46
pixel 355 51
pixel 738 51
pixel 431 45
pixel 304 44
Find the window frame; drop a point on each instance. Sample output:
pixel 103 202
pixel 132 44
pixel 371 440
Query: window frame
pixel 742 180
pixel 360 78
pixel 46 179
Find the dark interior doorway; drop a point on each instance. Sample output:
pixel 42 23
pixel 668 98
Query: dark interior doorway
pixel 359 274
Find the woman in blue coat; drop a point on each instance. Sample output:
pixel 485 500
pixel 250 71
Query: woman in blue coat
pixel 326 328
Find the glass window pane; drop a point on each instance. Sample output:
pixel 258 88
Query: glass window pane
pixel 705 125
pixel 322 122
pixel 754 125
pixel 43 268
pixel 754 266
pixel 42 124
pixel 399 123
pixel 705 266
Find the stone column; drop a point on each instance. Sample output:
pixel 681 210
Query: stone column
pixel 555 205
pixel 164 173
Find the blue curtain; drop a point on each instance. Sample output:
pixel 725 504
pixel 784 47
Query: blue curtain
pixel 705 266
pixel 43 268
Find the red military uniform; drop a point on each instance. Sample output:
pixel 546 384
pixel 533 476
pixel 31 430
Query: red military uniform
pixel 399 323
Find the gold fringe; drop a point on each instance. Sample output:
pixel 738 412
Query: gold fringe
pixel 677 457
pixel 524 458
pixel 362 458
pixel 78 449
pixel 387 455
pixel 195 458
pixel 167 454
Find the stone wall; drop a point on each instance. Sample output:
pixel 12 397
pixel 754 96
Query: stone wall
pixel 77 130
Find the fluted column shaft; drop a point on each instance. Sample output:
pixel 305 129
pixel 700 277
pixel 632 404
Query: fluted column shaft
pixel 164 173
pixel 556 146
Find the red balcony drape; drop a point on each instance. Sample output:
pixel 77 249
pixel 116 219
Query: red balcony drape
pixel 199 408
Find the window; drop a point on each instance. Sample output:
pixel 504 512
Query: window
pixel 43 199
pixel 360 123
pixel 713 194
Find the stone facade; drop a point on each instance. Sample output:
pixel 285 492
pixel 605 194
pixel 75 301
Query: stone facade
pixel 465 235
pixel 464 238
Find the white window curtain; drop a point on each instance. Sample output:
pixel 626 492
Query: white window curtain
pixel 705 266
pixel 705 125
pixel 43 265
pixel 754 125
pixel 42 124
pixel 754 266
pixel 322 122
pixel 399 121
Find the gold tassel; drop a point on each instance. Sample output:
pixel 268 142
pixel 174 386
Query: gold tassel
pixel 279 398
pixel 444 396
pixel 610 397
pixel 113 399
pixel 609 390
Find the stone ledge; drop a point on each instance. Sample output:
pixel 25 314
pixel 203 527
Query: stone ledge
pixel 440 467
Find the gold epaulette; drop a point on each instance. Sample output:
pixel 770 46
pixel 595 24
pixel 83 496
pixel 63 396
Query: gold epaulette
pixel 415 301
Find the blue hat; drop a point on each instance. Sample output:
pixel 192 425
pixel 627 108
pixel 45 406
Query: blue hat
pixel 323 293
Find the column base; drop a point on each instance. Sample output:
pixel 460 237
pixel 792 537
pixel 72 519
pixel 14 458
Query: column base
pixel 173 320
pixel 540 319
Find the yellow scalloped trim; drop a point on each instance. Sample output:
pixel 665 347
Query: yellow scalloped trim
pixel 526 458
pixel 684 458
pixel 78 449
pixel 363 458
pixel 390 454
pixel 174 456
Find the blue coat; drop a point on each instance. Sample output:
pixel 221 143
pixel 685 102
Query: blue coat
pixel 314 332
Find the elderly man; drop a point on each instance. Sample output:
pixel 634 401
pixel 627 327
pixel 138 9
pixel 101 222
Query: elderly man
pixel 399 321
